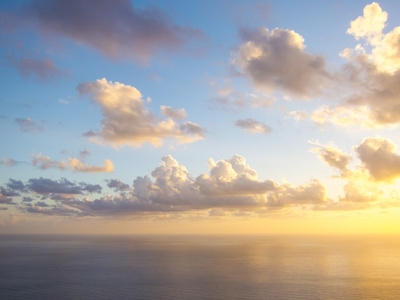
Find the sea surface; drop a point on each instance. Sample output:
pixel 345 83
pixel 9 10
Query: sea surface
pixel 198 267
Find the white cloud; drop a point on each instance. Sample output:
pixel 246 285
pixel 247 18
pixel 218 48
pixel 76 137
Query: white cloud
pixel 127 120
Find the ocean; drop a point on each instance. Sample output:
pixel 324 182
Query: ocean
pixel 198 267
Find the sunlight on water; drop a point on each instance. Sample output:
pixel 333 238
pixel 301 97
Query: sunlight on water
pixel 79 267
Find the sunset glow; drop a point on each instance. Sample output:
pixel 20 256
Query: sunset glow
pixel 200 117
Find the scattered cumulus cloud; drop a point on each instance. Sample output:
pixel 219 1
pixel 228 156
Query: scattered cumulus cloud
pixel 379 158
pixel 275 61
pixel 372 183
pixel 253 126
pixel 369 79
pixel 127 120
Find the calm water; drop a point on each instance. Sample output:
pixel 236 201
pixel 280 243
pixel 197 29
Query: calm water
pixel 90 267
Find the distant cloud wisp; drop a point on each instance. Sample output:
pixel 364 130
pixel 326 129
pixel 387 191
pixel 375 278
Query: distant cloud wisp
pixel 253 126
pixel 73 164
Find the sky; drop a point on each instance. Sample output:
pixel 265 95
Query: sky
pixel 200 117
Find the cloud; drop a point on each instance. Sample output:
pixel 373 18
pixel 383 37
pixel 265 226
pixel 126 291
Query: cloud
pixel 73 164
pixel 313 192
pixel 369 81
pixel 332 155
pixel 5 200
pixel 253 126
pixel 117 29
pixel 177 115
pixel 41 204
pixel 371 183
pixel 60 210
pixel 44 69
pixel 28 125
pixel 276 61
pixel 379 159
pixel 5 196
pixel 370 25
pixel 16 185
pixel 230 185
pixel 8 162
pixel 46 186
pixel 118 185
pixel 127 120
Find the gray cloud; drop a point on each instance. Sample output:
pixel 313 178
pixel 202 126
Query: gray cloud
pixel 28 125
pixel 46 186
pixel 253 126
pixel 177 115
pixel 16 185
pixel 276 61
pixel 115 28
pixel 379 159
pixel 44 69
pixel 118 185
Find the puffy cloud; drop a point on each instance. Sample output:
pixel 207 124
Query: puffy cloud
pixel 118 185
pixel 333 156
pixel 42 69
pixel 73 164
pixel 232 177
pixel 370 184
pixel 16 185
pixel 28 125
pixel 253 126
pixel 117 29
pixel 230 185
pixel 313 192
pixel 385 52
pixel 369 80
pixel 177 115
pixel 379 159
pixel 276 61
pixel 371 24
pixel 126 119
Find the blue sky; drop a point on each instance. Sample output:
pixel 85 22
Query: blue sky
pixel 198 112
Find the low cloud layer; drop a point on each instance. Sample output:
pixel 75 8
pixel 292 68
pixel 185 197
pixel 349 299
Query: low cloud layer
pixel 230 186
pixel 127 120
